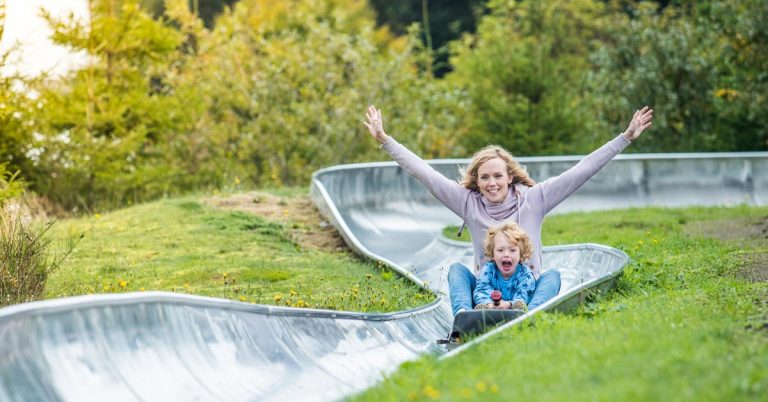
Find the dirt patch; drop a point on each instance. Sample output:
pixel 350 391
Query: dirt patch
pixel 755 267
pixel 744 231
pixel 307 227
pixel 750 234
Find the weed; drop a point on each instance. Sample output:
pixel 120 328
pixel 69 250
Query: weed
pixel 26 258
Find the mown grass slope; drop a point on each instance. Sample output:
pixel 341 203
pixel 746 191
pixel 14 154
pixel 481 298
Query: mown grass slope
pixel 182 245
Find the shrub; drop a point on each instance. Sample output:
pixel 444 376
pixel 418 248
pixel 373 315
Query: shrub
pixel 9 186
pixel 25 256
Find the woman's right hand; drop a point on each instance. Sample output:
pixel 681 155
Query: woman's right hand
pixel 375 124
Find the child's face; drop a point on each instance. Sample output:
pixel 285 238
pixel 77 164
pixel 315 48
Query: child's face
pixel 506 255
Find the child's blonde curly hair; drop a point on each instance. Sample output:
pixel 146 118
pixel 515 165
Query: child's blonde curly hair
pixel 514 234
pixel 514 169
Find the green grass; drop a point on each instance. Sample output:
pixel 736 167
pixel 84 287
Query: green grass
pixel 683 324
pixel 180 245
pixel 451 232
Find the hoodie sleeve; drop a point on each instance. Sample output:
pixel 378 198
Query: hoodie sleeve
pixel 482 293
pixel 525 286
pixel 450 193
pixel 556 189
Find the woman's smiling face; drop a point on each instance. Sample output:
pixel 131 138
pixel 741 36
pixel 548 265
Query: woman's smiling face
pixel 493 180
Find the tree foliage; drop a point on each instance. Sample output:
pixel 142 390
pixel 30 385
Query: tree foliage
pixel 441 21
pixel 15 113
pixel 701 67
pixel 524 73
pixel 286 85
pixel 103 127
pixel 272 91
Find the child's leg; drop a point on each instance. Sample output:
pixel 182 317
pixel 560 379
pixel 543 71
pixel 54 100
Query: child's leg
pixel 547 287
pixel 461 284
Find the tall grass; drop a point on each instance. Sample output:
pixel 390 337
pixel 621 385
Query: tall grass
pixel 26 255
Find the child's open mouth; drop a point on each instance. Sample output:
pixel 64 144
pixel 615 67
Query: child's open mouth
pixel 506 264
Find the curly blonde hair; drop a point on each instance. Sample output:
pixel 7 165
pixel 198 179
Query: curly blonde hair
pixel 514 169
pixel 514 234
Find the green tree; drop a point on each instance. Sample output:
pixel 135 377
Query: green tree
pixel 287 84
pixel 524 73
pixel 206 10
pixel 700 65
pixel 740 97
pixel 15 114
pixel 659 59
pixel 442 21
pixel 103 128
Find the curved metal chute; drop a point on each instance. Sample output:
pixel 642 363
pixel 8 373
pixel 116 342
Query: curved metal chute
pixel 164 346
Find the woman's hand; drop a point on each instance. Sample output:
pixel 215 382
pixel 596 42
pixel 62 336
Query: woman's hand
pixel 375 124
pixel 640 121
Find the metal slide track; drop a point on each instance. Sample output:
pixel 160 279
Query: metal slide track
pixel 156 346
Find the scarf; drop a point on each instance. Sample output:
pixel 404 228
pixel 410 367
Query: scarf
pixel 501 210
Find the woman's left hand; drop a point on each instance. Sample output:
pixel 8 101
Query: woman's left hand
pixel 375 124
pixel 640 121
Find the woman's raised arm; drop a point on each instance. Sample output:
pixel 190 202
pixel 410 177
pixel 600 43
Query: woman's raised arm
pixel 556 189
pixel 449 192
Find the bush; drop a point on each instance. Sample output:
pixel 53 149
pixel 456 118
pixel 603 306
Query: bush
pixel 25 257
pixel 9 186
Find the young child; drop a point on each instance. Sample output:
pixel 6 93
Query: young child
pixel 507 246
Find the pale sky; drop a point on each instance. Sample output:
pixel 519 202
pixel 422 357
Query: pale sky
pixel 38 54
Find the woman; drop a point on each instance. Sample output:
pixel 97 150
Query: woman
pixel 495 189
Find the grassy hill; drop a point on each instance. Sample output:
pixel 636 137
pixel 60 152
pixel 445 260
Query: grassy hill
pixel 216 247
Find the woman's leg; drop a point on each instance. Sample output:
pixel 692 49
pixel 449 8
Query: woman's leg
pixel 547 287
pixel 461 284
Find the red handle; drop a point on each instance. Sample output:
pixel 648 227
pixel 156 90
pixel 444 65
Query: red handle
pixel 496 297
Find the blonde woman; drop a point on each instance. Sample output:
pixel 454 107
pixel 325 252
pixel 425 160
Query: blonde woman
pixel 494 190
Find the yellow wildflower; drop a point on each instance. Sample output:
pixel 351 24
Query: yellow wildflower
pixel 431 392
